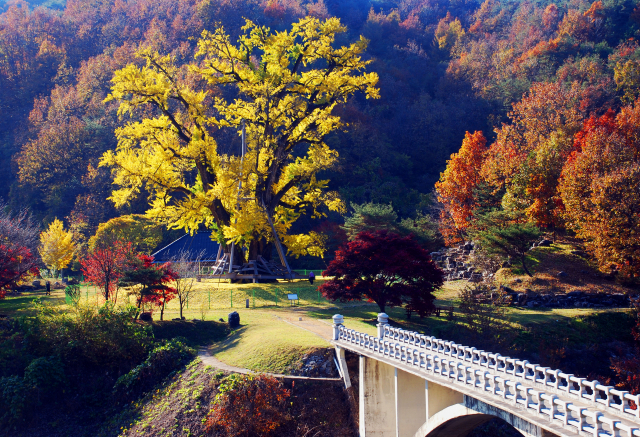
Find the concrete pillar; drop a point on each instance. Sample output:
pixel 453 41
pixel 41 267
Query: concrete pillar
pixel 411 403
pixel 377 398
pixel 383 320
pixel 342 362
pixel 440 397
pixel 338 320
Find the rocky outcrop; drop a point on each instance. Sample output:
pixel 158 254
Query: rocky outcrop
pixel 317 363
pixel 456 265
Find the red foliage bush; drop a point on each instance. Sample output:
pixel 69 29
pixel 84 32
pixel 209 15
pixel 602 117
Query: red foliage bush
pixel 248 405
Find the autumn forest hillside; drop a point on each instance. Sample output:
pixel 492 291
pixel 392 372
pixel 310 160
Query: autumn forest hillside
pixel 529 90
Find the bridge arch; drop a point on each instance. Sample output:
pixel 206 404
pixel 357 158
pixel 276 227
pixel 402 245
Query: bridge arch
pixel 458 421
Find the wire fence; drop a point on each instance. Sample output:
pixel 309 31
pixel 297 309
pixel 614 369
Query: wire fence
pixel 209 270
pixel 254 297
pixel 210 295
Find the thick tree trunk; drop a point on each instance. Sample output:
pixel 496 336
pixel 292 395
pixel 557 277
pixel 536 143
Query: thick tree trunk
pixel 260 246
pixel 238 256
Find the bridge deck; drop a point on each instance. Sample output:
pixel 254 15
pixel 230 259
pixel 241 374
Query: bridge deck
pixel 556 401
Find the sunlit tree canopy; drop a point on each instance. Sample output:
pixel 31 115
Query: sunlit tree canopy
pixel 285 86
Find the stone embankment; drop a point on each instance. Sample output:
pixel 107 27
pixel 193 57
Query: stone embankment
pixel 573 299
pixel 455 263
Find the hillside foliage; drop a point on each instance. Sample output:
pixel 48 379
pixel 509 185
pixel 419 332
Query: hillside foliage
pixel 443 68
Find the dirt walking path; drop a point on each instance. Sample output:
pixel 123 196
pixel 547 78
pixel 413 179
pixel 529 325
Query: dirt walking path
pixel 300 320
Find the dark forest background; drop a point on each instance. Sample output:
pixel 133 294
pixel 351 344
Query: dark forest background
pixel 445 66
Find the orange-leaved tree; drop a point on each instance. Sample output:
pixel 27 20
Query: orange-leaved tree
pixel 456 186
pixel 527 157
pixel 600 188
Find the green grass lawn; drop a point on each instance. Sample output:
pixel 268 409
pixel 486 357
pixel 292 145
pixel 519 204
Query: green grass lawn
pixel 265 342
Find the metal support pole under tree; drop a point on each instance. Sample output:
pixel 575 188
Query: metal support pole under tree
pixel 242 153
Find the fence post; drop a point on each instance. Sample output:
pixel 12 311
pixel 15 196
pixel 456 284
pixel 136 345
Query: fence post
pixel 232 298
pixel 254 297
pixel 318 295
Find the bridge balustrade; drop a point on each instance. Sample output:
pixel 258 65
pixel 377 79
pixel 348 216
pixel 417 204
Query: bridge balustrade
pixel 587 407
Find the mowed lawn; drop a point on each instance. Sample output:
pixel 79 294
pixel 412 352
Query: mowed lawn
pixel 265 341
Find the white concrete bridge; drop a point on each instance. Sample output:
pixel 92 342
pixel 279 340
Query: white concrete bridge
pixel 416 385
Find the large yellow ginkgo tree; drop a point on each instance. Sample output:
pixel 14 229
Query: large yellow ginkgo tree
pixel 283 86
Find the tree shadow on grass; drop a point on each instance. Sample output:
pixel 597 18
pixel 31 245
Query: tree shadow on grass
pixel 22 304
pixel 232 341
pixel 196 332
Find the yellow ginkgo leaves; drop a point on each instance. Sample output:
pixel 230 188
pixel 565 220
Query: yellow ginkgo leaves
pixel 56 246
pixel 283 86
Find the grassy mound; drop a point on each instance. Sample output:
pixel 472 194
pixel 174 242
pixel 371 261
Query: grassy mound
pixel 265 343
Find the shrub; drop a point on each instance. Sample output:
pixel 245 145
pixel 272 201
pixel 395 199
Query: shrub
pixel 45 375
pixel 108 338
pixel 42 377
pixel 161 362
pixel 628 368
pixel 248 405
pixel 72 294
pixel 13 399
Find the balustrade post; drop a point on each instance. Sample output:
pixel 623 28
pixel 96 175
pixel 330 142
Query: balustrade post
pixel 383 320
pixel 338 320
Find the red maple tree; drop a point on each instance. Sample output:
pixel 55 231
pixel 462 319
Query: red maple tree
pixel 104 267
pixel 600 188
pixel 385 268
pixel 16 262
pixel 148 281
